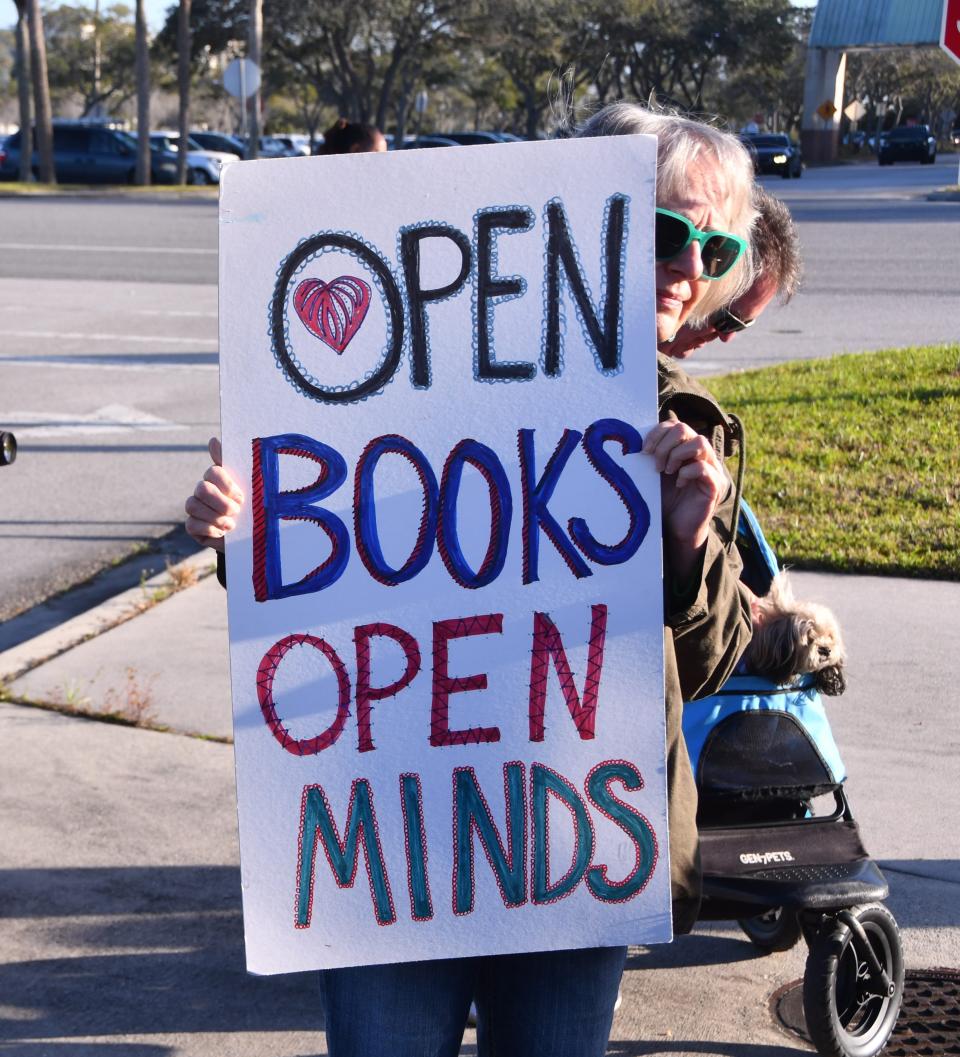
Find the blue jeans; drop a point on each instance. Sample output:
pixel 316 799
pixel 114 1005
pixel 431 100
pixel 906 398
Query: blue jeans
pixel 552 1004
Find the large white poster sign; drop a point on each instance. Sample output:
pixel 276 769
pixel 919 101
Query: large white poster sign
pixel 445 590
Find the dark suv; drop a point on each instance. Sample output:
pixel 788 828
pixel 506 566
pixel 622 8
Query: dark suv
pixel 909 143
pixel 774 152
pixel 87 154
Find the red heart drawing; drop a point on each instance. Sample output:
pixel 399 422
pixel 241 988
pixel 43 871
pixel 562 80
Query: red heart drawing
pixel 332 311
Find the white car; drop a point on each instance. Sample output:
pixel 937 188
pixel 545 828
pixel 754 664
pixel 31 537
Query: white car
pixel 296 143
pixel 203 166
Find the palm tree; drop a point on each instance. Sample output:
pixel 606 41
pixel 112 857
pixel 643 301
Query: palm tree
pixel 142 63
pixel 254 41
pixel 23 90
pixel 183 85
pixel 41 92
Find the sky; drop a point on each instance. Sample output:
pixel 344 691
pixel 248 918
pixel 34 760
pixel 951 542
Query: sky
pixel 156 12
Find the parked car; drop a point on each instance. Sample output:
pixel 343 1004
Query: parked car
pixel 271 147
pixel 774 152
pixel 908 143
pixel 429 141
pixel 296 144
pixel 203 166
pixel 471 138
pixel 85 153
pixel 218 141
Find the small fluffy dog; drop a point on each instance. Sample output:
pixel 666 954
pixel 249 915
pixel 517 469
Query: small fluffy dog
pixel 792 638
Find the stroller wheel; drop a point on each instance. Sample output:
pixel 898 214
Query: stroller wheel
pixel 850 1007
pixel 8 448
pixel 776 930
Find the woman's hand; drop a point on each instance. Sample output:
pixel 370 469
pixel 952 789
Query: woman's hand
pixel 692 483
pixel 212 509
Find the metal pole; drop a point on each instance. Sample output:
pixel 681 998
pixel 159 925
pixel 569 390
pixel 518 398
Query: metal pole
pixel 243 98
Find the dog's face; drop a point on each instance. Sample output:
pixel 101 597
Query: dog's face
pixel 793 638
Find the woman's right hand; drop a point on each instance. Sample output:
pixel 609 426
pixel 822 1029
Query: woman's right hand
pixel 212 509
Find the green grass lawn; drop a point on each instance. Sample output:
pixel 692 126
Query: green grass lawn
pixel 853 463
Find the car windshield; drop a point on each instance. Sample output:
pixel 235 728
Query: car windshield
pixel 908 133
pixel 126 139
pixel 769 141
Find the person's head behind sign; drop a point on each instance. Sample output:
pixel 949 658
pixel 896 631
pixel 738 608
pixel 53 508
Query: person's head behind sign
pixel 777 266
pixel 350 137
pixel 704 211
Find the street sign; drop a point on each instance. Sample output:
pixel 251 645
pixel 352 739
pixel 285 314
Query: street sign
pixel 241 78
pixel 826 109
pixel 855 110
pixel 950 33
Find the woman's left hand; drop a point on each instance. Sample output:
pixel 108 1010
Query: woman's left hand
pixel 692 483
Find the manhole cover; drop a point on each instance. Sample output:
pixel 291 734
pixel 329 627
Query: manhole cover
pixel 929 1022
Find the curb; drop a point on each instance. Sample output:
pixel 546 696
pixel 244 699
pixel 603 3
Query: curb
pixel 28 655
pixel 150 193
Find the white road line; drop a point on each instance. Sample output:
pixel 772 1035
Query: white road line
pixel 195 250
pixel 112 418
pixel 84 363
pixel 88 336
pixel 170 312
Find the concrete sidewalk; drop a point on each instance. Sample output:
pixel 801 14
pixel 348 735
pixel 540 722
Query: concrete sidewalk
pixel 120 923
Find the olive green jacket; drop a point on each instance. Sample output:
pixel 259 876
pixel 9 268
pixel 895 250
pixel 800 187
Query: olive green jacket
pixel 706 629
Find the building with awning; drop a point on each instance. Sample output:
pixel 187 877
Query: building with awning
pixel 843 26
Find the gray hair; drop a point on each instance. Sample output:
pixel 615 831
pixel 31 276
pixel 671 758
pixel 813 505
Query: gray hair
pixel 680 142
pixel 775 245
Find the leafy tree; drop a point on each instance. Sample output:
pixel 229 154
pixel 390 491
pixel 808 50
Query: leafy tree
pixel 215 26
pixel 770 84
pixel 542 46
pixel 683 50
pixel 354 55
pixel 904 83
pixel 76 40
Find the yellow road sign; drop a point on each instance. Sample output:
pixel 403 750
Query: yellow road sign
pixel 826 109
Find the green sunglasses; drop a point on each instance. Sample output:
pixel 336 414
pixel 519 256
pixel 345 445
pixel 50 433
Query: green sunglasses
pixel 719 251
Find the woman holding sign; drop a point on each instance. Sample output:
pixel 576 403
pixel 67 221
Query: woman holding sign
pixel 704 217
pixel 561 1003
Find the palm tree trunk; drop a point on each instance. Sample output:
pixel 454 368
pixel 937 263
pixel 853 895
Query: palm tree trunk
pixel 41 93
pixel 254 42
pixel 183 85
pixel 23 91
pixel 143 98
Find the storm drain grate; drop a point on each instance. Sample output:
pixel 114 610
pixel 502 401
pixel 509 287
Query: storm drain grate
pixel 929 1022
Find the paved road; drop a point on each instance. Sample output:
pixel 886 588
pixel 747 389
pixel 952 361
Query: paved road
pixel 108 351
pixel 109 240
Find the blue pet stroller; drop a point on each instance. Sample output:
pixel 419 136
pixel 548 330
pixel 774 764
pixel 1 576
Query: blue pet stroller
pixel 762 754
